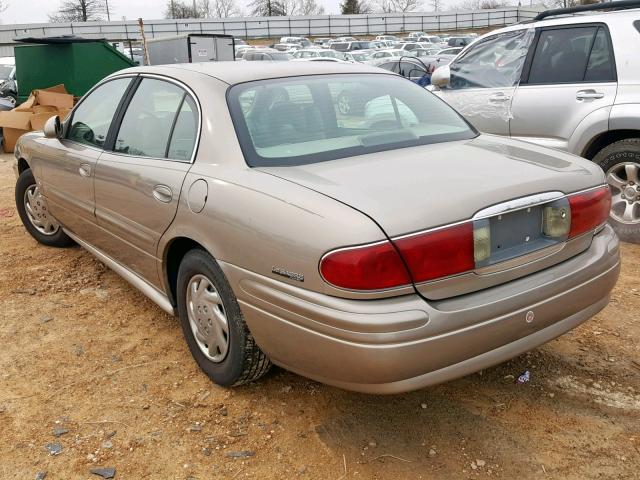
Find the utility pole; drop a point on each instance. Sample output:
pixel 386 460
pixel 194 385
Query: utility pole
pixel 106 2
pixel 195 9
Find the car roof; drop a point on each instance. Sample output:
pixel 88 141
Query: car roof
pixel 237 72
pixel 569 19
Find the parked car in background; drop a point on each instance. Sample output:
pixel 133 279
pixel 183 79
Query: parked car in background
pixel 424 52
pixel 265 54
pixel 302 41
pixel 351 46
pixel 241 199
pixel 241 49
pixel 321 41
pixel 239 41
pixel 391 38
pixel 344 39
pixel 567 82
pixel 410 46
pixel 460 41
pixel 430 38
pixel 8 84
pixel 411 68
pixel 416 35
pixel 287 47
pixel 390 52
pixel 451 51
pixel 357 56
pixel 317 52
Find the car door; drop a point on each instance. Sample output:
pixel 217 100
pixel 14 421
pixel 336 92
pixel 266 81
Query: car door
pixel 485 77
pixel 68 171
pixel 139 179
pixel 571 75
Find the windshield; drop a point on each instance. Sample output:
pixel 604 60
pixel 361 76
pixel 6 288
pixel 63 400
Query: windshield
pixel 302 120
pixel 361 57
pixel 5 71
pixel 279 56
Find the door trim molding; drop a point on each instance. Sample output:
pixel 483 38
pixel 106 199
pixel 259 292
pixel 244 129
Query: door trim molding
pixel 145 287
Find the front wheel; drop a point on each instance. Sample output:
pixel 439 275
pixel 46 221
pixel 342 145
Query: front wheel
pixel 34 213
pixel 621 163
pixel 212 323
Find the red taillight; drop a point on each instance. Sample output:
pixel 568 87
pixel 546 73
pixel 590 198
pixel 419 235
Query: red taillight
pixel 438 253
pixel 589 210
pixel 369 267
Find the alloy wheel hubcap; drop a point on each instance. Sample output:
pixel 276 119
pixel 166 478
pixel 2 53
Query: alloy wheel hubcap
pixel 38 212
pixel 623 179
pixel 207 318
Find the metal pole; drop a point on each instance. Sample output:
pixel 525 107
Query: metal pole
pixel 106 2
pixel 144 42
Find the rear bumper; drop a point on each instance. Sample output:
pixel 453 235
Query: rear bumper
pixel 406 343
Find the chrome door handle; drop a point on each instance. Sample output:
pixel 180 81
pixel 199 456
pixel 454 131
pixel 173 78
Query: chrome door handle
pixel 162 193
pixel 499 97
pixel 588 94
pixel 85 170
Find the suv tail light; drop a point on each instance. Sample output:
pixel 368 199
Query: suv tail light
pixel 589 210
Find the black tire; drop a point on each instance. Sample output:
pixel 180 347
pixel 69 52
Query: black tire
pixel 244 361
pixel 58 238
pixel 620 152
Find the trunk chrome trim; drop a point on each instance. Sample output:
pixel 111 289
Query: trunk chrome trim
pixel 147 289
pixel 517 204
pixel 521 260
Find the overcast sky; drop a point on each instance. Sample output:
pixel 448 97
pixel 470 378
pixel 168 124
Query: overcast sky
pixel 32 11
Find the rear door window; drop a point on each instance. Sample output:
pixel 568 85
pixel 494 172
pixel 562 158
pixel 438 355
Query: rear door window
pixel 149 120
pixel 601 66
pixel 572 55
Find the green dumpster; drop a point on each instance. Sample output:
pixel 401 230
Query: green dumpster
pixel 76 62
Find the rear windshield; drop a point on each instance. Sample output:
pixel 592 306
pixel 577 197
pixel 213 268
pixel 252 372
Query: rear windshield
pixel 302 120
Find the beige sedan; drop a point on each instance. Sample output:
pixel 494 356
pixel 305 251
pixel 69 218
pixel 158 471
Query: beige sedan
pixel 380 250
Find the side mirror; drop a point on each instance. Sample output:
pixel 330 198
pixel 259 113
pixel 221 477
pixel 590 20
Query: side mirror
pixel 53 127
pixel 441 76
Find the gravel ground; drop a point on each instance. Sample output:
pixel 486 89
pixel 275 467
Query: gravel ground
pixel 94 375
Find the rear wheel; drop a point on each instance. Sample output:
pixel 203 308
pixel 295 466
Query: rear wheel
pixel 34 213
pixel 621 163
pixel 212 323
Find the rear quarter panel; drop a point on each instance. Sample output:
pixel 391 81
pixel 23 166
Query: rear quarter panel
pixel 257 221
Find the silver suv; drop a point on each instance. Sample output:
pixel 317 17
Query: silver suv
pixel 568 80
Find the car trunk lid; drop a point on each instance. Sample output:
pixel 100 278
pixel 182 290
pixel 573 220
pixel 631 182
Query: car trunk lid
pixel 415 189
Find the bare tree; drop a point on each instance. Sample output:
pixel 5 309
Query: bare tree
pixel 436 5
pixel 79 11
pixel 267 8
pixel 310 7
pixel 180 9
pixel 3 5
pixel 225 8
pixel 389 6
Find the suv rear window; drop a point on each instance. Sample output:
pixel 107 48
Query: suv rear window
pixel 572 55
pixel 302 120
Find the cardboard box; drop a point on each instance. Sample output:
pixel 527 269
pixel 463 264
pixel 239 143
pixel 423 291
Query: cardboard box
pixel 34 113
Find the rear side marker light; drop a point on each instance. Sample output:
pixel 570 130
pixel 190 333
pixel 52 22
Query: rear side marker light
pixel 589 210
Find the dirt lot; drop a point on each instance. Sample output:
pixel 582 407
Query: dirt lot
pixel 85 356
